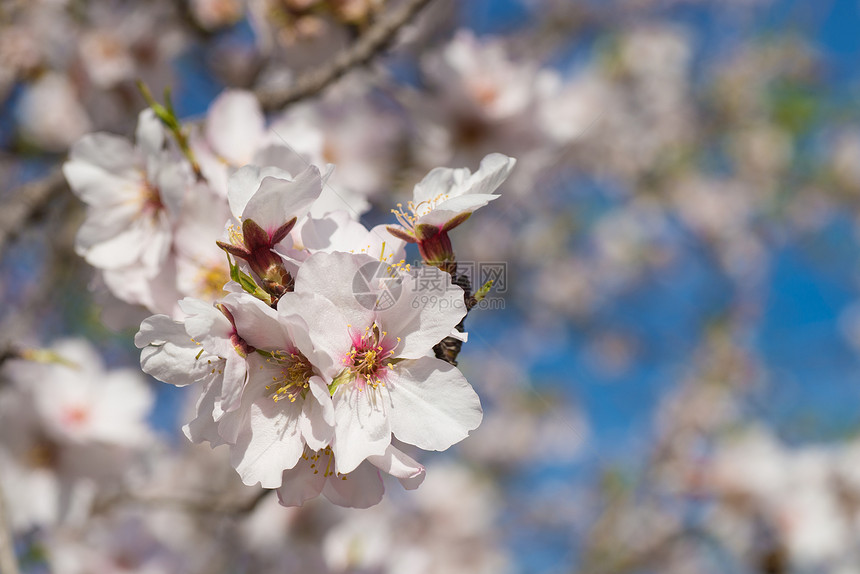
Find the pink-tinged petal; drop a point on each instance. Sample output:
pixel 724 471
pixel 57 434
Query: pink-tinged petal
pixel 279 200
pixel 326 339
pixel 361 426
pixel 426 311
pixel 361 488
pixel 235 126
pixel 168 353
pixel 317 418
pixel 400 465
pixel 432 404
pixel 270 440
pixel 300 484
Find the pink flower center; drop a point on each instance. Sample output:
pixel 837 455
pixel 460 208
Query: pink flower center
pixel 75 416
pixel 369 359
pixel 151 201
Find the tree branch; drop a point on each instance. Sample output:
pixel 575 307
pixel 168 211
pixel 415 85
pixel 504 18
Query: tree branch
pixel 27 205
pixel 377 38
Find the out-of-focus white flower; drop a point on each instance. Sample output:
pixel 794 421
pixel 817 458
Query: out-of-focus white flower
pixel 50 113
pixel 133 197
pixel 106 57
pixel 348 130
pixel 213 14
pixel 69 428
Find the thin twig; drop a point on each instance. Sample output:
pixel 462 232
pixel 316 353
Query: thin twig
pixel 377 38
pixel 27 204
pixel 8 561
pixel 214 505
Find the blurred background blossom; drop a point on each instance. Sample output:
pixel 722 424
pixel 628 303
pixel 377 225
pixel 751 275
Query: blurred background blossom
pixel 668 370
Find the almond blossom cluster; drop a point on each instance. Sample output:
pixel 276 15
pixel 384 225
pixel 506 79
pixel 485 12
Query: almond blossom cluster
pixel 313 348
pixel 70 429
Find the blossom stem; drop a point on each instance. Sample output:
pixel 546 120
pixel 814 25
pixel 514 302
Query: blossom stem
pixel 449 348
pixel 168 117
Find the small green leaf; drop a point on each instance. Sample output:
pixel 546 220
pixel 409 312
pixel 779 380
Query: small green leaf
pixel 247 282
pixel 483 291
pixel 344 377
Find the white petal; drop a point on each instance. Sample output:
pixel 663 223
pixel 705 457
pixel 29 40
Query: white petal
pixel 400 465
pixel 244 183
pixel 361 488
pixel 203 427
pixel 317 419
pixel 300 484
pixel 168 353
pixel 361 426
pixel 270 441
pixel 427 309
pixel 451 208
pixel 256 323
pixel 279 200
pixel 494 170
pixel 432 404
pixel 150 132
pixel 345 279
pixel 109 153
pixel 439 181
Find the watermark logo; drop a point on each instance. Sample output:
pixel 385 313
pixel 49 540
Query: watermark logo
pixel 376 285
